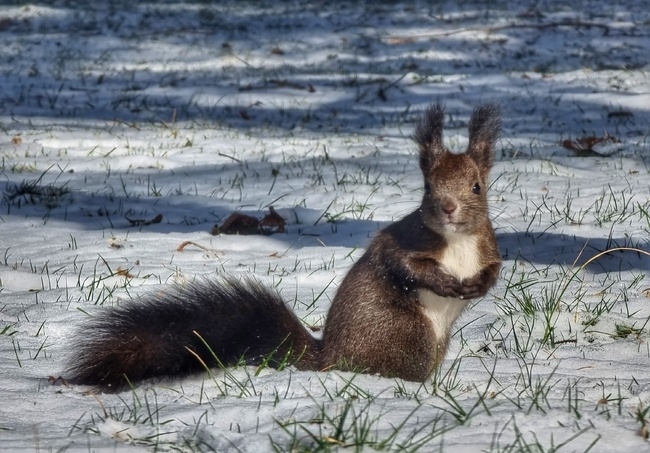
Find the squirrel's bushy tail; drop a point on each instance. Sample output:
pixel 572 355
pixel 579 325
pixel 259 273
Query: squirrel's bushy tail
pixel 165 334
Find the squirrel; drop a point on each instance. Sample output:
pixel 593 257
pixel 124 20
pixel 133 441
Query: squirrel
pixel 392 314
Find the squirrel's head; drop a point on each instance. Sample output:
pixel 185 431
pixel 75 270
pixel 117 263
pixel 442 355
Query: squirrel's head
pixel 455 185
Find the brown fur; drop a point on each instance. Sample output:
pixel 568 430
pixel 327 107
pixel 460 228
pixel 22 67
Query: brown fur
pixel 376 322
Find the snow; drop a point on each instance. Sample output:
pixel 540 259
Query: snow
pixel 113 112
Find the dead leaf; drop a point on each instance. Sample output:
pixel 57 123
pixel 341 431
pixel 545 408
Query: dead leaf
pixel 55 380
pixel 620 114
pixel 584 146
pixel 124 272
pixel 401 40
pixel 115 243
pixel 142 222
pixel 272 222
pixel 184 244
pixel 238 223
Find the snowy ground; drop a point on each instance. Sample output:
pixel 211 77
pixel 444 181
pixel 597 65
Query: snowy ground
pixel 113 112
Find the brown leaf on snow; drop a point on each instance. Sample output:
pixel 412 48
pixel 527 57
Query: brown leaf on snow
pixel 6 23
pixel 272 222
pixel 584 146
pixel 124 272
pixel 183 245
pixel 238 223
pixel 143 222
pixel 282 83
pixel 401 40
pixel 620 114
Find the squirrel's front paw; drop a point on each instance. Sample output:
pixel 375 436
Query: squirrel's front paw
pixel 448 286
pixel 473 287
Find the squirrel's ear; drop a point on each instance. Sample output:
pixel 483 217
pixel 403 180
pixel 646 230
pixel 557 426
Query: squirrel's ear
pixel 428 136
pixel 484 129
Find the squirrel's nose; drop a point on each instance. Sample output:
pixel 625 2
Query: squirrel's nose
pixel 449 206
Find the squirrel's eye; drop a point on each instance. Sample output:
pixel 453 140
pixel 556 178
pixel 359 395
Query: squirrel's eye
pixel 427 189
pixel 476 189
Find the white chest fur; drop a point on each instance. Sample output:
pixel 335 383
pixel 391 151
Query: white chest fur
pixel 460 259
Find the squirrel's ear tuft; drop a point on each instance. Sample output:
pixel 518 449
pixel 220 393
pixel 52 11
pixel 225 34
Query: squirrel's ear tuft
pixel 484 129
pixel 428 136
